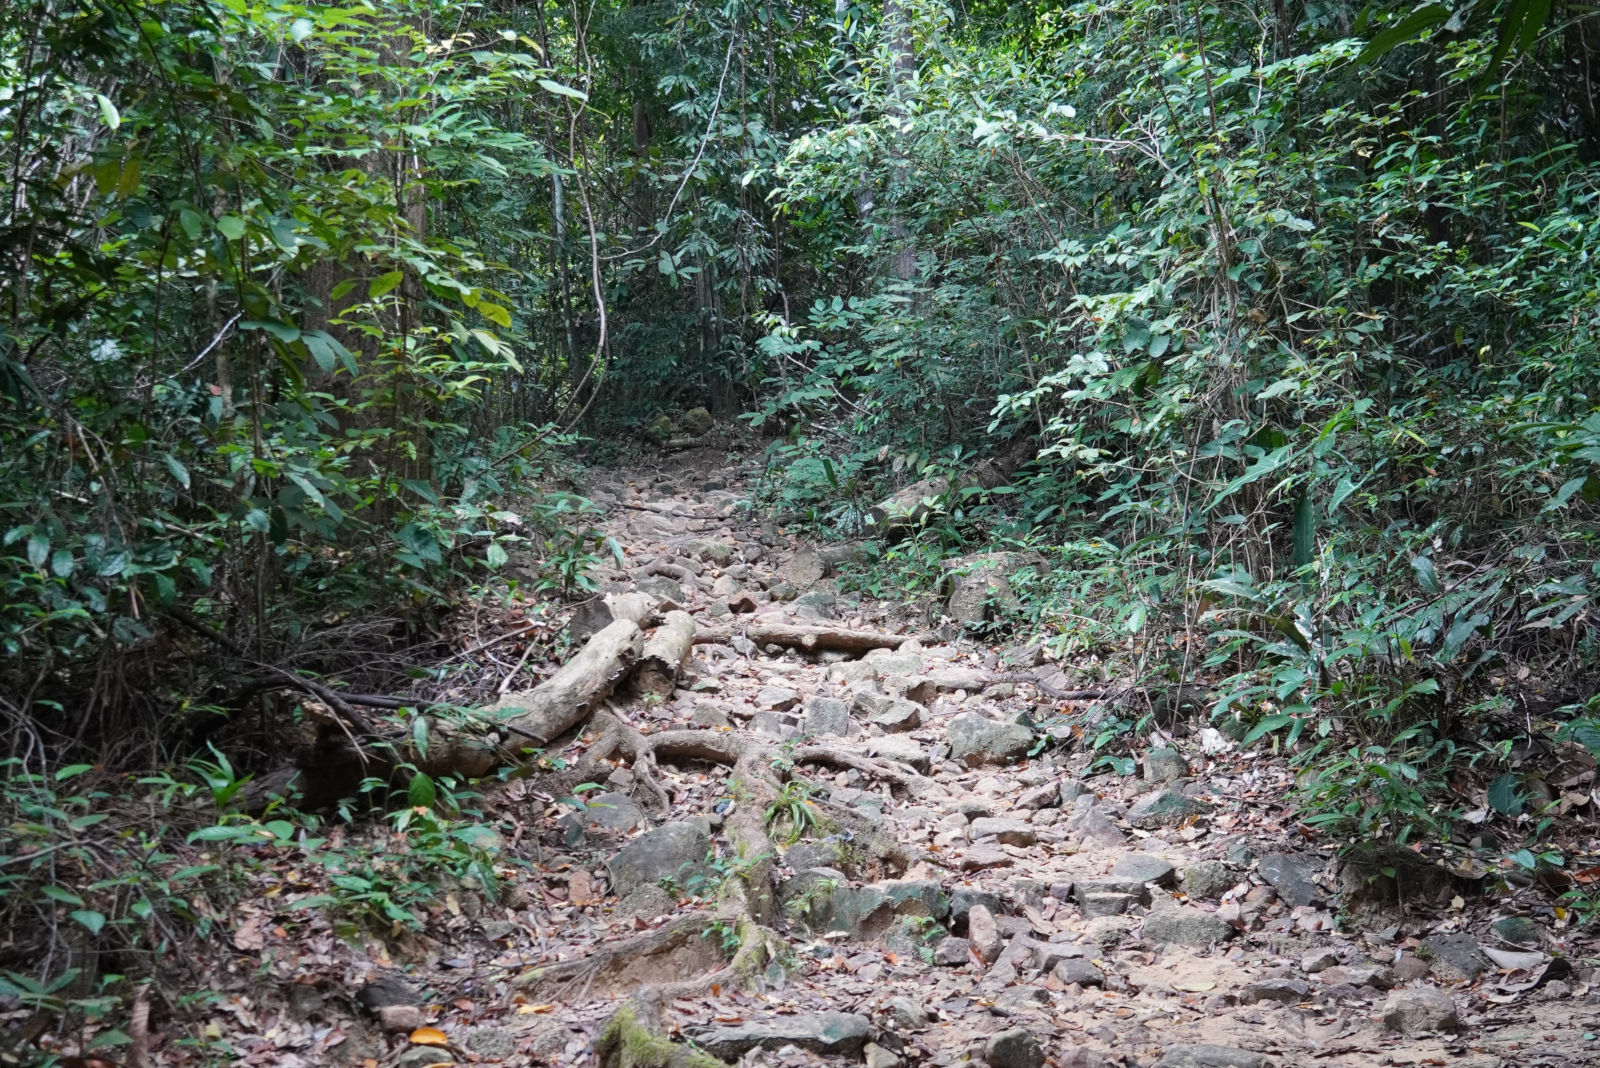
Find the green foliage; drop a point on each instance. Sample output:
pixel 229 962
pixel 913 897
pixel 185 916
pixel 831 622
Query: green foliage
pixel 791 813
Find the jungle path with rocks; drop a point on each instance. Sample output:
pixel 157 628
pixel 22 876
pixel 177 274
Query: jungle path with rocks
pixel 829 830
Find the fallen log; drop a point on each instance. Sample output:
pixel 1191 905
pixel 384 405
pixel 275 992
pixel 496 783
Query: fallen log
pixel 665 652
pixel 809 639
pixel 595 614
pixel 560 702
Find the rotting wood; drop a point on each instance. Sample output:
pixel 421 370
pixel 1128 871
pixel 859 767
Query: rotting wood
pixel 665 652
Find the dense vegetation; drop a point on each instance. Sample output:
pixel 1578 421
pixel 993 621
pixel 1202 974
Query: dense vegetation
pixel 1293 306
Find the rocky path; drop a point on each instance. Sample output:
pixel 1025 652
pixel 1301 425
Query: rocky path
pixel 946 882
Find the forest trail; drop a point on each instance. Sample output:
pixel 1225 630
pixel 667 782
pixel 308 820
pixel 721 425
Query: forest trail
pixel 992 905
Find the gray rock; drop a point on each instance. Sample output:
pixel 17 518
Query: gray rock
pixel 1420 1008
pixel 1071 970
pixel 1186 927
pixel 1073 789
pixel 1008 831
pixel 1144 868
pixel 977 740
pixel 782 591
pixel 1294 877
pixel 1165 765
pixel 1129 887
pixel 1283 991
pixel 952 952
pixel 983 931
pixel 1203 1055
pixel 1209 879
pixel 777 698
pixel 1319 960
pixel 423 1057
pixel 672 851
pixel 1105 904
pixel 837 1033
pixel 804 569
pixel 900 716
pixel 1016 1048
pixel 1455 958
pixel 1164 808
pixel 827 715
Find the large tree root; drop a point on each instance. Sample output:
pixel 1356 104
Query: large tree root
pixel 807 639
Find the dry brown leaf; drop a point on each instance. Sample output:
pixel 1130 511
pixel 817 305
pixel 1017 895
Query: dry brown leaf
pixel 429 1036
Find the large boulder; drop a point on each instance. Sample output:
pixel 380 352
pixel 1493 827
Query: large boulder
pixel 675 851
pixel 828 1033
pixel 696 422
pixel 977 740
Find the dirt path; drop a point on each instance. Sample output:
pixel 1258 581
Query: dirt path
pixel 984 902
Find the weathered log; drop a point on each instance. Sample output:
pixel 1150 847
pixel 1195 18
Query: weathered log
pixel 558 703
pixel 809 639
pixel 596 614
pixel 665 652
pixel 908 507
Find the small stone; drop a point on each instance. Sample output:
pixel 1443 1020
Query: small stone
pixel 493 1043
pixel 1557 988
pixel 742 603
pixel 1420 1008
pixel 1093 825
pixel 901 748
pixel 389 990
pixel 1293 877
pixel 1071 970
pixel 1016 1048
pixel 1319 960
pixel 983 931
pixel 1165 765
pixel 1008 831
pixel 952 952
pixel 1165 808
pixel 646 903
pixel 1409 968
pixel 1144 868
pixel 1186 927
pixel 1208 879
pixel 981 858
pixel 782 591
pixel 425 1057
pixel 1283 991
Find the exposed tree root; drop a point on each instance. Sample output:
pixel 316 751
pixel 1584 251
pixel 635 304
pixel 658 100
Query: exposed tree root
pixel 808 638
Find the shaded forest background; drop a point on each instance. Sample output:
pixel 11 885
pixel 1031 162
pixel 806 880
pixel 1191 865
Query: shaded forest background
pixel 1290 310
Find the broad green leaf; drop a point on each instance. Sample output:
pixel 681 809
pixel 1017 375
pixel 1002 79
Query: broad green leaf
pixel 61 894
pixel 562 90
pixel 494 313
pixel 495 556
pixel 1505 794
pixel 231 227
pixel 384 283
pixel 1266 725
pixel 91 920
pixel 179 472
pixel 108 111
pixel 300 29
pixel 422 792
